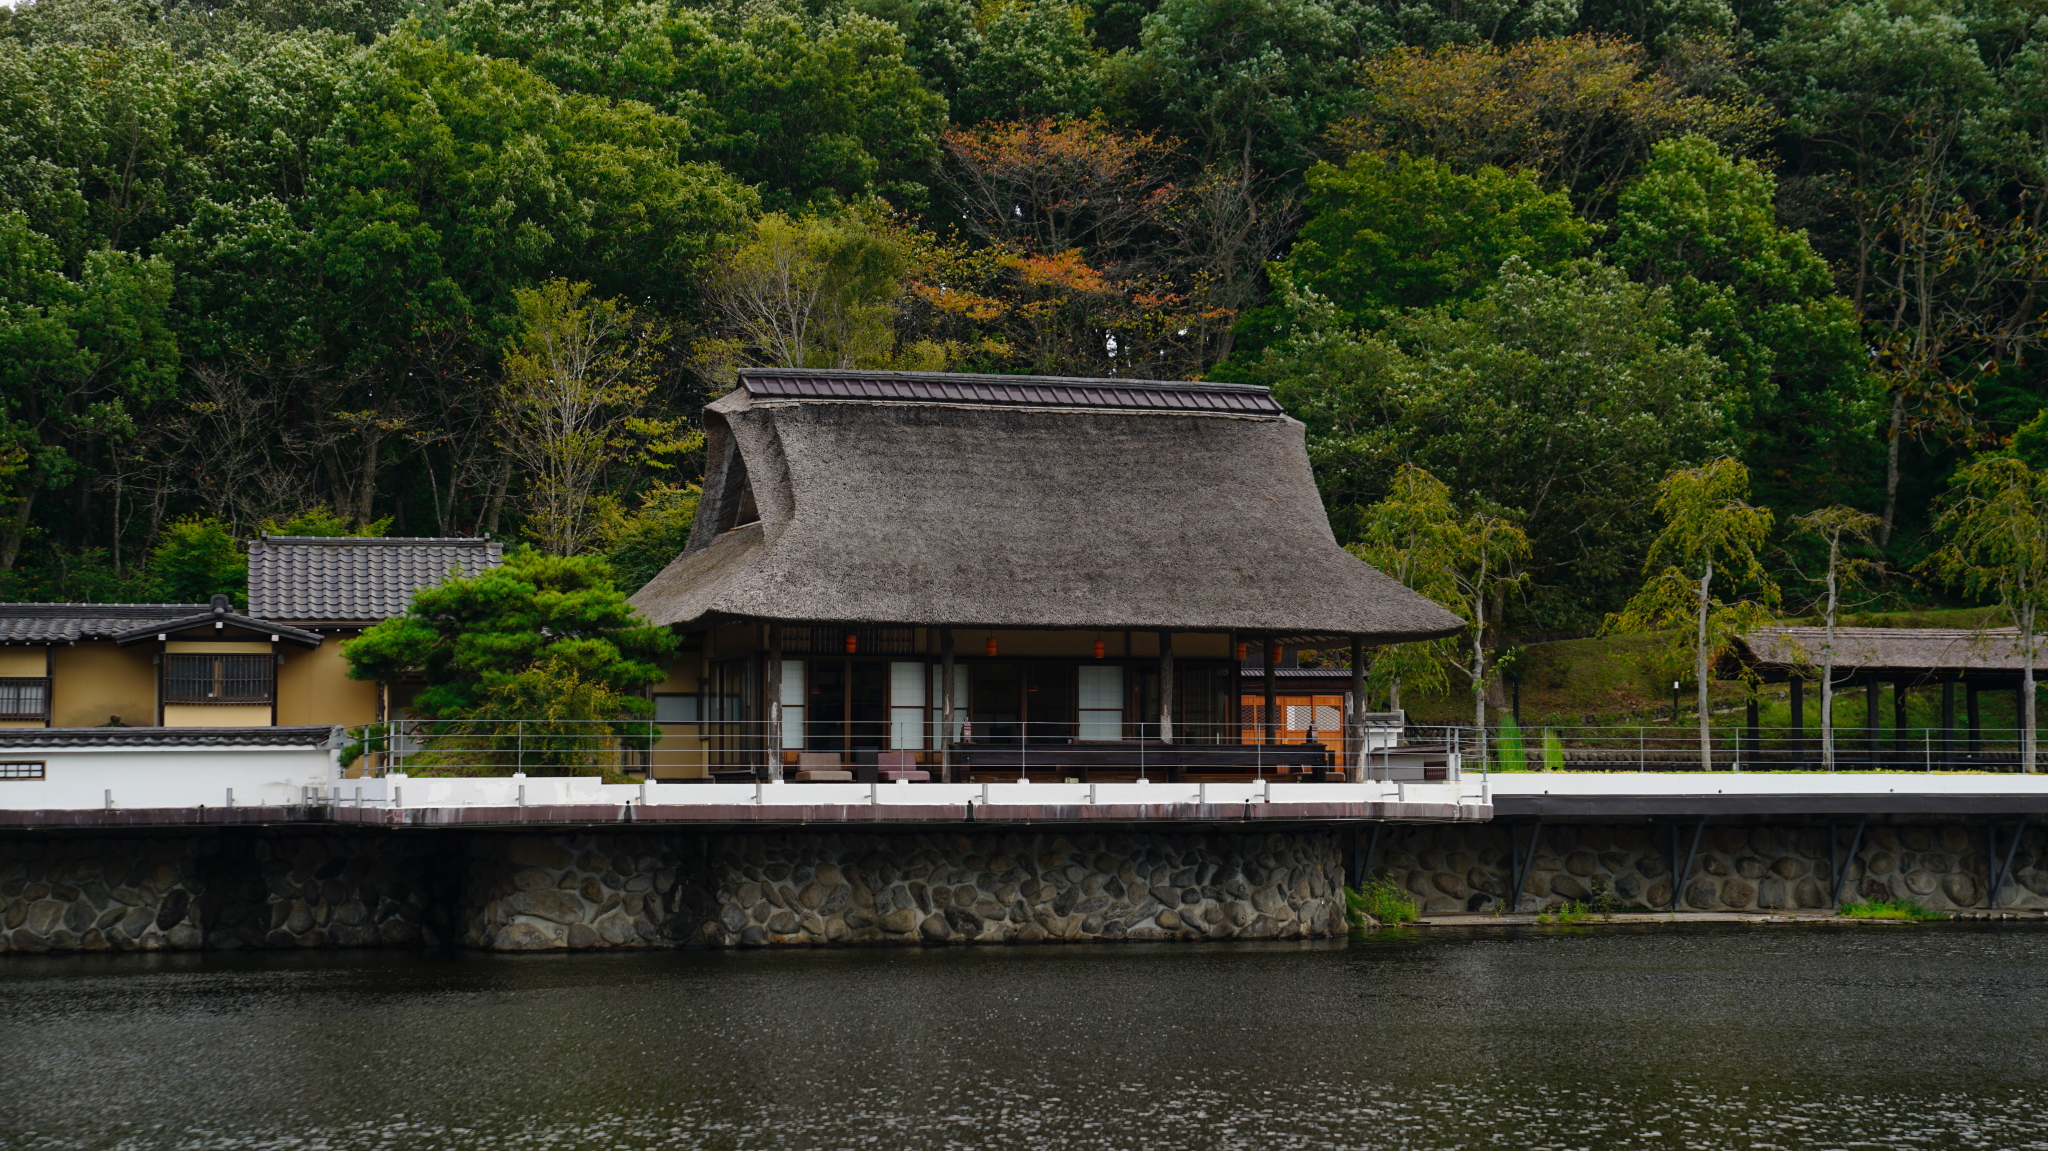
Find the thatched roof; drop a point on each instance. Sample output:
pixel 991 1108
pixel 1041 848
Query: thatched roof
pixel 1019 502
pixel 1886 650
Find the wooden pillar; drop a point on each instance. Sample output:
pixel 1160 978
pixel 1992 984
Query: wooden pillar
pixel 1975 718
pixel 1902 694
pixel 1166 687
pixel 1752 721
pixel 946 704
pixel 1798 721
pixel 1269 731
pixel 1355 746
pixel 773 756
pixel 1872 705
pixel 1948 720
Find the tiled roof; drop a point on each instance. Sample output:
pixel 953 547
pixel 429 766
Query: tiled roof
pixel 67 622
pixel 164 736
pixel 306 579
pixel 769 384
pixel 222 613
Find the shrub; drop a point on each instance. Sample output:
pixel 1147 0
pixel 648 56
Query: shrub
pixel 1887 909
pixel 1379 901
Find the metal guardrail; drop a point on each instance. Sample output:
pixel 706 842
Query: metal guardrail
pixel 756 749
pixel 718 748
pixel 1646 747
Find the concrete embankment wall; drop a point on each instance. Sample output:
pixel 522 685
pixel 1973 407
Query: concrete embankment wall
pixel 286 888
pixel 1738 867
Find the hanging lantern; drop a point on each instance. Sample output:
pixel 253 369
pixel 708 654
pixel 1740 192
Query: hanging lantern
pixel 852 643
pixel 1098 649
pixel 1275 653
pixel 991 645
pixel 1241 650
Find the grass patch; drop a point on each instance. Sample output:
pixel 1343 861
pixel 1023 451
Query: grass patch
pixel 1388 905
pixel 1887 909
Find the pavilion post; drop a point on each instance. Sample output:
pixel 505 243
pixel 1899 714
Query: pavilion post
pixel 1166 687
pixel 1872 692
pixel 1357 725
pixel 1269 731
pixel 1798 702
pixel 946 704
pixel 1948 721
pixel 1975 717
pixel 1902 693
pixel 772 751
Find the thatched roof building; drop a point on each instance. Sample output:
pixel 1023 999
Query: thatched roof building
pixel 909 499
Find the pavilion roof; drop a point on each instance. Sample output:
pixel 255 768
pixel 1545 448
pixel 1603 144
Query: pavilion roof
pixel 1886 650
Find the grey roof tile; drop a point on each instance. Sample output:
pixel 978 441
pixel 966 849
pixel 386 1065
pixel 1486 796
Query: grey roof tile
pixel 306 579
pixel 70 622
pixel 32 737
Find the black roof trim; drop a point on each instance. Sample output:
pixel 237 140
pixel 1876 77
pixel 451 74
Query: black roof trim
pixel 1008 391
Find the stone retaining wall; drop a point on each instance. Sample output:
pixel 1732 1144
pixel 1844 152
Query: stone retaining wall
pixel 287 888
pixel 1738 867
pixel 524 892
pixel 806 888
pixel 220 891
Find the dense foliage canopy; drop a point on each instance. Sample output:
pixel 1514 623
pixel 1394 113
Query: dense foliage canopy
pixel 265 259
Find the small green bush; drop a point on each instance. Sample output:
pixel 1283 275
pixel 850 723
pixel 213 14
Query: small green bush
pixel 1887 909
pixel 1386 904
pixel 1509 752
pixel 1553 750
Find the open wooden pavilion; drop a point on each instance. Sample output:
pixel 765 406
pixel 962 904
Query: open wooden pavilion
pixel 999 575
pixel 1907 660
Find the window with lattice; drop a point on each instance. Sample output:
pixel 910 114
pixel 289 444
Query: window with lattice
pixel 214 678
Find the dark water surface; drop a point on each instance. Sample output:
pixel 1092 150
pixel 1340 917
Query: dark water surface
pixel 1925 1036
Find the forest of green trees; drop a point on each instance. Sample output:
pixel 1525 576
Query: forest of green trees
pixel 445 268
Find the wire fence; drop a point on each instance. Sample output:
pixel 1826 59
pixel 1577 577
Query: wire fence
pixel 1644 747
pixel 1086 750
pixel 1379 746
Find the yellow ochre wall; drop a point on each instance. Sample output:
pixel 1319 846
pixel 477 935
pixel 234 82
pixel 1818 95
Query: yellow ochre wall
pixel 313 687
pixel 680 757
pixel 91 681
pixel 217 715
pixel 28 662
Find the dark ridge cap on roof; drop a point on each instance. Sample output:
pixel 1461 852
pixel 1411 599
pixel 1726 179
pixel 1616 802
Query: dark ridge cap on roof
pixel 378 541
pixel 1034 391
pixel 163 736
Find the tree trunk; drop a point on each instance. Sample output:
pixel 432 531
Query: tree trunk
pixel 1827 664
pixel 1479 671
pixel 366 495
pixel 16 528
pixel 495 505
pixel 2027 746
pixel 1700 671
pixel 1891 467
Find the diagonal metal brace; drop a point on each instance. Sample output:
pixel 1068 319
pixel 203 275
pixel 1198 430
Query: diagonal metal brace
pixel 1838 867
pixel 2001 872
pixel 1680 874
pixel 1520 863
